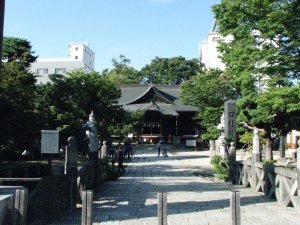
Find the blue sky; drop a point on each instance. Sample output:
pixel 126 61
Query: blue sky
pixel 138 29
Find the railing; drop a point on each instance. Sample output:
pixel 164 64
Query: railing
pixel 91 174
pixel 13 205
pixel 56 190
pixel 275 182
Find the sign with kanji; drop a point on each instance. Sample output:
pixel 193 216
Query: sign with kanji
pixel 50 141
pixel 230 119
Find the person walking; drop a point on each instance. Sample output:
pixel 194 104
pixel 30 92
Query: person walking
pixel 121 160
pixel 158 148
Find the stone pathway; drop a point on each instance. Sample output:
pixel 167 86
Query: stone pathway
pixel 132 200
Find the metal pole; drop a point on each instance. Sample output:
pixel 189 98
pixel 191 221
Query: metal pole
pixel 2 9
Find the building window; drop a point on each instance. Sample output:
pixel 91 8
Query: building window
pixel 42 71
pixel 60 70
pixel 215 39
pixel 76 57
pixel 76 48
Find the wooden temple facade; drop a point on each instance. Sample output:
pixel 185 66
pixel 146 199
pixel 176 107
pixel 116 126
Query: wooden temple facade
pixel 165 117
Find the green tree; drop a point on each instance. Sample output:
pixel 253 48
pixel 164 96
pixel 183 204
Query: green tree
pixel 17 93
pixel 208 92
pixel 66 103
pixel 127 123
pixel 17 50
pixel 122 72
pixel 265 41
pixel 171 71
pixel 262 59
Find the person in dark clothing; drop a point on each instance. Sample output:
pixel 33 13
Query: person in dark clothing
pixel 158 148
pixel 121 160
pixel 127 148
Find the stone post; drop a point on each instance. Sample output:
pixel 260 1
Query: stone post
pixel 162 209
pixel 232 162
pixel 211 148
pixel 71 158
pixel 256 146
pixel 87 208
pixel 235 206
pixel 217 147
pixel 220 143
pixel 222 147
pixel 298 167
pixel 255 157
pixel 102 163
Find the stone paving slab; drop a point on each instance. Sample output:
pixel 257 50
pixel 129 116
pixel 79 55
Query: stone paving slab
pixel 132 200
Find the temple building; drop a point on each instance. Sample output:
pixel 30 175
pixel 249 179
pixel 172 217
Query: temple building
pixel 166 118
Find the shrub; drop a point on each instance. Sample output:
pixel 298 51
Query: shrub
pixel 220 167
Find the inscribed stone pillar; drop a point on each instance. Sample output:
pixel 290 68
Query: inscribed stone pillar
pixel 230 121
pixel 256 146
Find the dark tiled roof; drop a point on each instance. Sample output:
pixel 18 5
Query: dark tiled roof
pixel 168 102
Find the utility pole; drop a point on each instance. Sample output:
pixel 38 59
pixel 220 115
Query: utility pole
pixel 2 7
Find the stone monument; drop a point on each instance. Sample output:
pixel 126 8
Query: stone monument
pixel 92 134
pixel 230 120
pixel 220 142
pixel 256 146
pixel 71 158
pixel 104 151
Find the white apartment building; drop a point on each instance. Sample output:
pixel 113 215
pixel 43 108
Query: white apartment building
pixel 208 52
pixel 80 56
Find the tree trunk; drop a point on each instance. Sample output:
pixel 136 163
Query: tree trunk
pixel 268 150
pixel 282 146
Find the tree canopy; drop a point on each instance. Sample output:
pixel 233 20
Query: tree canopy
pixel 17 94
pixel 17 50
pixel 262 60
pixel 66 102
pixel 208 91
pixel 122 72
pixel 171 71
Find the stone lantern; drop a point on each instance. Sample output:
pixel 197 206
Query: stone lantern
pixel 92 134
